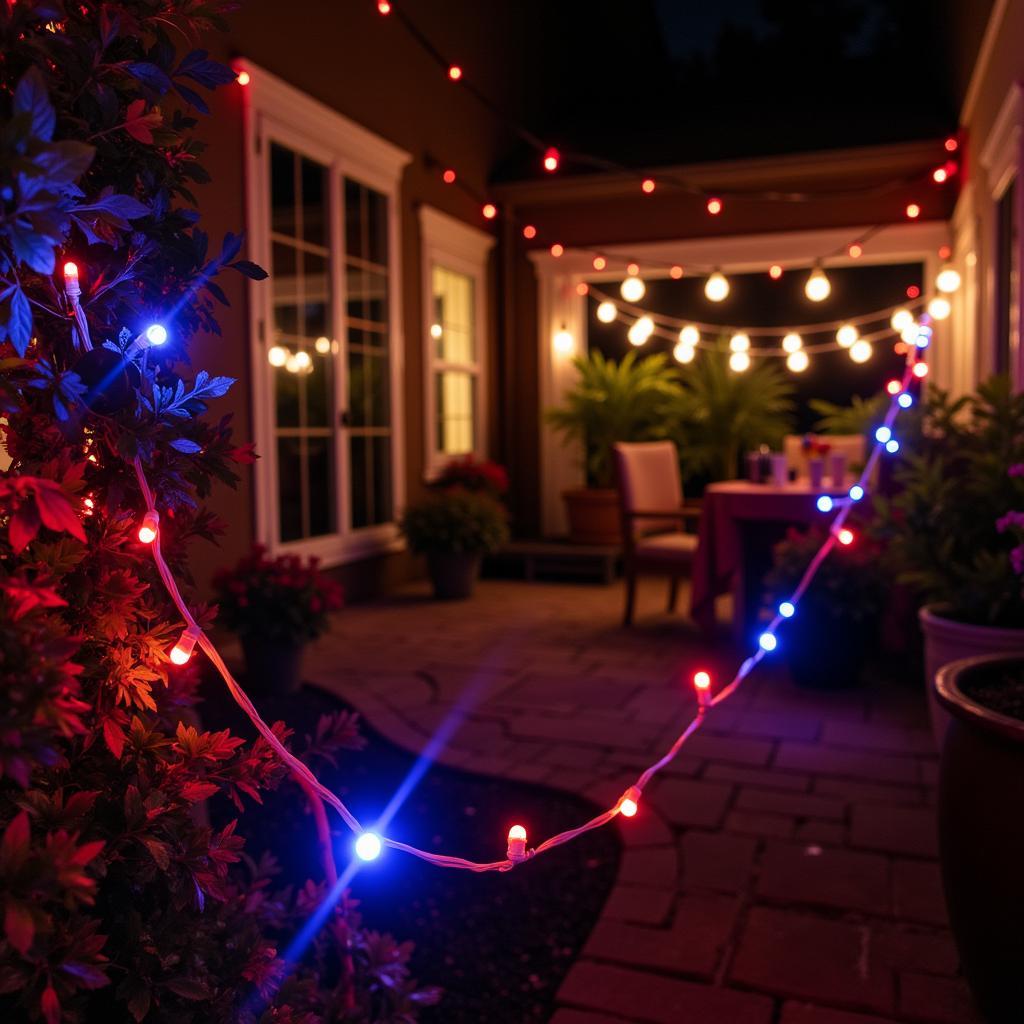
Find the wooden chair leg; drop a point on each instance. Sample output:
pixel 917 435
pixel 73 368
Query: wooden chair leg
pixel 673 593
pixel 627 618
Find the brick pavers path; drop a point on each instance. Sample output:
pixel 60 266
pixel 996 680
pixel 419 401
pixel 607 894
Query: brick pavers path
pixel 781 871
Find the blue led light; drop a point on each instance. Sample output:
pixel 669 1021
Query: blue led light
pixel 368 846
pixel 856 492
pixel 882 434
pixel 892 446
pixel 825 503
pixel 787 609
pixel 156 334
pixel 905 400
pixel 768 642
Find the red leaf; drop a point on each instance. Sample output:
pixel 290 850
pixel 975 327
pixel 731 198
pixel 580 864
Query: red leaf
pixel 24 527
pixel 50 1005
pixel 26 596
pixel 19 927
pixel 193 791
pixel 113 736
pixel 56 511
pixel 138 124
pixel 86 852
pixel 14 844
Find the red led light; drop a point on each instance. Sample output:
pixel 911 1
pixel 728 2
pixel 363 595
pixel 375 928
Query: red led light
pixel 913 211
pixel 384 7
pixel 557 249
pixel 945 252
pixel 913 291
pixel 243 78
pixel 551 159
pixel 900 348
pixel 939 175
pixel 894 387
pixel 714 206
pixel 845 537
pixel 855 250
pixel 455 72
pixel 582 288
pixel 675 272
pixel 775 271
pixel 600 263
pixel 701 680
pixel 632 269
pixel 648 185
pixel 529 231
pixel 920 369
pixel 951 144
pixel 490 211
pixel 448 176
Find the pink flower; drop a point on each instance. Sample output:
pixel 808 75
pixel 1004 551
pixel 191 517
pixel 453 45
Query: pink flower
pixel 1017 469
pixel 1017 559
pixel 1010 520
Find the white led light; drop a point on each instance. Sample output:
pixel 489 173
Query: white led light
pixel 277 355
pixel 818 287
pixel 640 331
pixel 606 312
pixel 368 846
pixel 797 361
pixel 632 289
pixel 739 361
pixel 861 351
pixel 792 342
pixel 847 335
pixel 716 287
pixel 689 336
pixel 156 334
pixel 739 343
pixel 901 319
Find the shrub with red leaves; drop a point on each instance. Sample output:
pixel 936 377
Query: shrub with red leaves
pixel 472 474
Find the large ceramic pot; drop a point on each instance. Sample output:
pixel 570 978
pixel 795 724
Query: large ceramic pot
pixel 453 574
pixel 272 666
pixel 947 640
pixel 594 517
pixel 981 835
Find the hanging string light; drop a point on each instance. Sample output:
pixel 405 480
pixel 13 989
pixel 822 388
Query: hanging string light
pixel 689 335
pixel 818 287
pixel 714 206
pixel 739 343
pixel 901 319
pixel 798 361
pixel 606 312
pixel 684 353
pixel 716 288
pixel 847 335
pixel 792 343
pixel 640 331
pixel 939 308
pixel 632 289
pixel 861 351
pixel 948 279
pixel 739 362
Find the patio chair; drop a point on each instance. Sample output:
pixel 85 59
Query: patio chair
pixel 653 517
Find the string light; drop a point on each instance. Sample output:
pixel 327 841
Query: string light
pixel 894 387
pixel 149 527
pixel 632 289
pixel 557 250
pixel 606 312
pixel 551 159
pixel 951 144
pixel 939 175
pixel 855 250
pixel 71 285
pixel 449 177
pixel 939 308
pixel 924 336
pixel 368 846
pixel 384 7
pixel 787 609
pixel 792 342
pixel 861 351
pixel 629 801
pixel 767 642
pixel 490 211
pixel 714 206
pixel 739 362
pixel 582 288
pixel 702 685
pixel 689 336
pixel 243 78
pixel 920 370
pixel 516 844
pixel 775 271
pixel 913 291
pixel 648 185
pixel 892 446
pixel 436 331
pixel 454 72
pixel 684 353
pixel 905 400
pixel 182 650
pixel 675 272
pixel 913 211
pixel 845 537
pixel 600 263
pixel 716 288
pixel 856 492
pixel 901 319
pixel 847 335
pixel 739 343
pixel 564 343
pixel 798 361
pixel 640 331
pixel 882 434
pixel 529 231
pixel 948 279
pixel 909 333
pixel 156 334
pixel 818 287
pixel 825 503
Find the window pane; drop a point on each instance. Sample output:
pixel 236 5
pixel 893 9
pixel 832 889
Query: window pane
pixel 360 483
pixel 320 460
pixel 455 397
pixel 282 190
pixel 289 483
pixel 314 206
pixel 453 326
pixel 382 510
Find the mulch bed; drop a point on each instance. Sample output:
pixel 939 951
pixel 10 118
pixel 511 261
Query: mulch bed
pixel 497 944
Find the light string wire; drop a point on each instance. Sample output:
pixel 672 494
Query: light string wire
pixel 312 785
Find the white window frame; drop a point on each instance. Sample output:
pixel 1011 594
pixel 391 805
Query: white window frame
pixel 457 246
pixel 276 111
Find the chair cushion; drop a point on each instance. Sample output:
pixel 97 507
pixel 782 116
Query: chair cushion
pixel 667 547
pixel 648 474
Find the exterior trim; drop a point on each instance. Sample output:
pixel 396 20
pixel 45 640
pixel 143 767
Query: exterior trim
pixel 981 61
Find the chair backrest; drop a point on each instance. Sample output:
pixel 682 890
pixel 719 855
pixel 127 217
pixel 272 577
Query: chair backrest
pixel 853 446
pixel 648 477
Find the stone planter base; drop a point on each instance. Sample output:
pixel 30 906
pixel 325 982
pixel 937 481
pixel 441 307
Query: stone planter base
pixel 453 574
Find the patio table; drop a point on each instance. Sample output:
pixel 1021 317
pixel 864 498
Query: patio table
pixel 719 562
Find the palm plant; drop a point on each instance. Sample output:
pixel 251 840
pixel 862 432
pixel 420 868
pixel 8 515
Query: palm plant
pixel 610 402
pixel 861 416
pixel 720 413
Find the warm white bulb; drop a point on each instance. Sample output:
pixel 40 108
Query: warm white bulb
pixel 640 331
pixel 322 345
pixel 792 342
pixel 818 287
pixel 716 287
pixel 861 351
pixel 739 361
pixel 847 335
pixel 606 312
pixel 901 319
pixel 632 289
pixel 684 353
pixel 689 336
pixel 302 360
pixel 909 333
pixel 277 355
pixel 798 361
pixel 564 343
pixel 939 308
pixel 948 279
pixel 739 343
pixel 436 330
pixel 291 364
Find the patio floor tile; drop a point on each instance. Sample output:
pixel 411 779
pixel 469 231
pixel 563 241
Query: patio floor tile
pixel 894 829
pixel 714 860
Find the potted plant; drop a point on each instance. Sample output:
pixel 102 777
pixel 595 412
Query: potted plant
pixel 610 402
pixel 828 638
pixel 473 474
pixel 946 524
pixel 276 606
pixel 981 828
pixel 718 414
pixel 454 528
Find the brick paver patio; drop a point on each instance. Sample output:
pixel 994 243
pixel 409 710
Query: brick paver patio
pixel 782 870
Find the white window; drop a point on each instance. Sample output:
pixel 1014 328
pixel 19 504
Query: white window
pixel 455 337
pixel 326 340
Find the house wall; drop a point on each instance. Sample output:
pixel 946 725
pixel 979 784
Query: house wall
pixel 369 69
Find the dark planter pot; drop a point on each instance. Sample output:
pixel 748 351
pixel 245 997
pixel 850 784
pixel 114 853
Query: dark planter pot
pixel 824 653
pixel 272 666
pixel 594 516
pixel 453 574
pixel 981 839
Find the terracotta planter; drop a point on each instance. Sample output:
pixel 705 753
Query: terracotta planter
pixel 453 574
pixel 947 640
pixel 272 666
pixel 981 840
pixel 594 516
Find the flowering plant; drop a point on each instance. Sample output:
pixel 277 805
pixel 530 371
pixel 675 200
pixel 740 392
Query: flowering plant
pixel 1013 523
pixel 457 521
pixel 281 599
pixel 812 446
pixel 472 474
